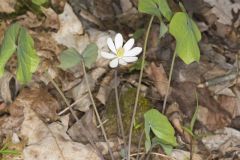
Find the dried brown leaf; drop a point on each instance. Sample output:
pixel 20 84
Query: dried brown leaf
pixel 159 77
pixel 89 121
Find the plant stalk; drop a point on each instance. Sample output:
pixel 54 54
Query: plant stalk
pixel 119 112
pixel 169 82
pixel 139 87
pixel 96 111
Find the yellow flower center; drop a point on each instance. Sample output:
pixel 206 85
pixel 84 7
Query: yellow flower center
pixel 120 52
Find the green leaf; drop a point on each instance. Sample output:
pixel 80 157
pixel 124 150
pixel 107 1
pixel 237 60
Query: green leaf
pixel 163 29
pixel 27 57
pixel 8 46
pixel 39 2
pixel 156 8
pixel 160 126
pixel 187 35
pixel 69 58
pixel 166 147
pixel 90 54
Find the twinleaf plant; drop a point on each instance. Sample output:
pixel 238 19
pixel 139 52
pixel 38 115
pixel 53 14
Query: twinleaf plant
pixel 17 39
pixel 187 35
pixel 71 57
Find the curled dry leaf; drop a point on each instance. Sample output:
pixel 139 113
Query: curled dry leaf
pixel 230 104
pixel 182 155
pixel 224 10
pixel 7 6
pixel 51 142
pixel 126 5
pixel 41 102
pixel 105 88
pixel 71 33
pixel 226 140
pixel 176 117
pixel 81 90
pixel 159 77
pixel 8 87
pixel 51 20
pixel 89 121
pixel 212 119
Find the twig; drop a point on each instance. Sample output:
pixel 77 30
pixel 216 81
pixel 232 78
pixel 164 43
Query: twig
pixel 87 133
pixel 74 103
pixel 152 153
pixel 64 98
pixel 138 88
pixel 119 113
pixel 220 79
pixel 169 82
pixel 96 111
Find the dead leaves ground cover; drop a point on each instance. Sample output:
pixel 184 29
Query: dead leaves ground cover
pixel 36 122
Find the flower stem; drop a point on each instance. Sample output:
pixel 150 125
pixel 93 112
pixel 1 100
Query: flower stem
pixel 139 87
pixel 96 111
pixel 169 81
pixel 119 113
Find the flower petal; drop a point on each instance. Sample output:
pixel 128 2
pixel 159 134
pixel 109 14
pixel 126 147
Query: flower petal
pixel 107 55
pixel 128 45
pixel 114 63
pixel 133 52
pixel 130 59
pixel 111 45
pixel 122 62
pixel 118 41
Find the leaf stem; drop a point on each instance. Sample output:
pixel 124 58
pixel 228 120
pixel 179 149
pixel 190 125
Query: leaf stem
pixel 139 87
pixel 119 113
pixel 169 81
pixel 96 111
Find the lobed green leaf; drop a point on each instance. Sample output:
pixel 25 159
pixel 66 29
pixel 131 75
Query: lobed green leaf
pixel 28 59
pixel 69 58
pixel 8 46
pixel 156 8
pixel 187 35
pixel 160 126
pixel 90 54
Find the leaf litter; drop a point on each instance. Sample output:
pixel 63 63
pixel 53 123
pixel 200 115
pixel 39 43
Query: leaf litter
pixel 31 113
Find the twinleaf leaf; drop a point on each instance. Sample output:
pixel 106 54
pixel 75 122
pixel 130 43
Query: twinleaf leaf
pixel 163 29
pixel 69 58
pixel 166 147
pixel 156 8
pixel 27 57
pixel 90 54
pixel 187 35
pixel 8 46
pixel 160 126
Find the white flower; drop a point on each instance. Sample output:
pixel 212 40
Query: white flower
pixel 121 54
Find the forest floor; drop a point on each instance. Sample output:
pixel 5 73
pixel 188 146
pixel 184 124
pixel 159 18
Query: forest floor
pixel 52 117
